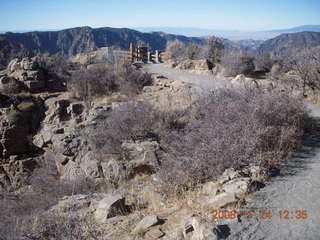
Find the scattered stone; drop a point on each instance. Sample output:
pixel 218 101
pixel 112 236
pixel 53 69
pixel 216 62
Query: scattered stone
pixel 146 223
pixel 154 234
pixel 197 228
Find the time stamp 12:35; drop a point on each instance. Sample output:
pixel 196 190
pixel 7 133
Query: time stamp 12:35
pixel 259 214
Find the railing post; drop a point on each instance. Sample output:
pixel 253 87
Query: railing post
pixel 157 56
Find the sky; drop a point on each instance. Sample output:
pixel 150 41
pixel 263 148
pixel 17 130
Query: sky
pixel 243 15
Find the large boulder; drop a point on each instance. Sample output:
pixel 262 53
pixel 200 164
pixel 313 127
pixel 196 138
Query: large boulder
pixel 110 206
pixel 28 72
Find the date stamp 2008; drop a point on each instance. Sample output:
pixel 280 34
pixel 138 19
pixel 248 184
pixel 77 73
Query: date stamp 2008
pixel 259 214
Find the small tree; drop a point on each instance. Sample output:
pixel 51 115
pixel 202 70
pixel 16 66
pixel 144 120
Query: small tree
pixel 237 62
pixel 306 63
pixel 214 49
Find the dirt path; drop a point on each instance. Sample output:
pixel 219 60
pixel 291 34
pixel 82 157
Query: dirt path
pixel 296 188
pixel 205 82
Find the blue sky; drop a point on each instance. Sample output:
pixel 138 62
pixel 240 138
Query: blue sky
pixel 214 14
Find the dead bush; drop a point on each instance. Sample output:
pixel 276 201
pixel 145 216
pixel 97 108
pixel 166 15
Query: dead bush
pixel 180 51
pixel 237 62
pixel 133 121
pixel 105 79
pixel 235 128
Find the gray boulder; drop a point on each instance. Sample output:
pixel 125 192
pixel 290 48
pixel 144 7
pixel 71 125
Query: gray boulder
pixel 140 157
pixel 197 228
pixel 146 223
pixel 110 206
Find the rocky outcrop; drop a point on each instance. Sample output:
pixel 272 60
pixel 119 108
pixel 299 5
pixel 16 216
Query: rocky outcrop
pixel 231 187
pixel 19 120
pixel 23 75
pixel 18 123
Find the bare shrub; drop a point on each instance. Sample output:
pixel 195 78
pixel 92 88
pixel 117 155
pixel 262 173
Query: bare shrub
pixel 105 79
pixel 214 49
pixel 305 63
pixel 132 121
pixel 180 51
pixel 235 128
pixel 237 62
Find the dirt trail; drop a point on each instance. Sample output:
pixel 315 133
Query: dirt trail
pixel 205 82
pixel 296 188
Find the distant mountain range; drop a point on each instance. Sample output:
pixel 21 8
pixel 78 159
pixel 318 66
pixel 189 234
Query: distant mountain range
pixel 72 41
pixel 285 43
pixel 232 34
pixel 69 42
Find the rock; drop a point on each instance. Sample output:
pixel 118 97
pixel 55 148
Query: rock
pixel 146 223
pixel 9 85
pixel 228 175
pixel 57 110
pixel 90 165
pixel 221 200
pixel 18 125
pixel 153 234
pixel 113 172
pixel 239 79
pixel 15 173
pixel 244 81
pixel 211 188
pixel 14 65
pixel 197 228
pixel 239 186
pixel 15 140
pixel 20 75
pixel 140 157
pixel 28 64
pixel 35 86
pixel 110 206
pixel 78 203
pixel 198 66
pixel 35 75
pixel 75 109
pixel 257 173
